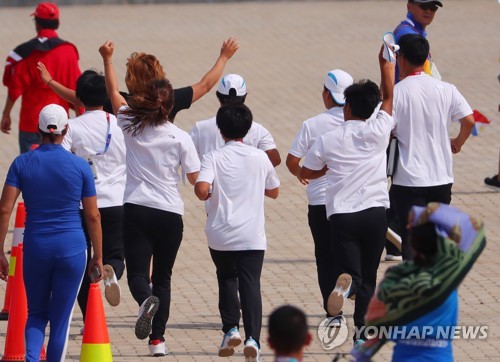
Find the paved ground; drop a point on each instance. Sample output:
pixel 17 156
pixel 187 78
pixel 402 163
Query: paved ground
pixel 286 49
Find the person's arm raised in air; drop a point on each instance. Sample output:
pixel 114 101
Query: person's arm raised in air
pixel 387 71
pixel 229 47
pixel 106 50
pixel 69 95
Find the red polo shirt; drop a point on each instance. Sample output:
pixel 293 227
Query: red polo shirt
pixel 24 80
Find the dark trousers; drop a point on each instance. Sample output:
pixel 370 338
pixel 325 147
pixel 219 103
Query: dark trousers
pixel 112 248
pixel 406 197
pixel 151 233
pixel 393 223
pixel 320 230
pixel 358 241
pixel 240 271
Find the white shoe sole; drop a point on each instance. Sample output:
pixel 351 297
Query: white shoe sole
pixel 112 291
pixel 143 324
pixel 336 299
pixel 250 352
pixel 231 344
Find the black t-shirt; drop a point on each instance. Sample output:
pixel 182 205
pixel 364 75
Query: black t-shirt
pixel 183 97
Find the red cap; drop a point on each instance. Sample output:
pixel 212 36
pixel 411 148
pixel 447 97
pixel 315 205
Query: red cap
pixel 47 11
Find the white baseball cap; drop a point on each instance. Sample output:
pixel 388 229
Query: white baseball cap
pixel 53 119
pixel 232 81
pixel 336 82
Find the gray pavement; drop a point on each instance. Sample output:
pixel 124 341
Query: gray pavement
pixel 286 49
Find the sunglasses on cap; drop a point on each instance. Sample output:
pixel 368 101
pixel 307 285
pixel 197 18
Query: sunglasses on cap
pixel 428 6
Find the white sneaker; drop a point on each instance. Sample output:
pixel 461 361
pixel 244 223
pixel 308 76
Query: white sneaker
pixel 112 290
pixel 231 339
pixel 336 321
pixel 146 313
pixel 338 296
pixel 390 257
pixel 157 348
pixel 251 351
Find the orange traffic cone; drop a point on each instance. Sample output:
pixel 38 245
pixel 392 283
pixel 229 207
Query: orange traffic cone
pixel 14 341
pixel 17 239
pixel 95 342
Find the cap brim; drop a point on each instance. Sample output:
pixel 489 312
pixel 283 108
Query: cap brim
pixel 338 98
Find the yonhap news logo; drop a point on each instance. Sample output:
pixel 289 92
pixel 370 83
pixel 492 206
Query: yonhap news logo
pixel 422 332
pixel 331 335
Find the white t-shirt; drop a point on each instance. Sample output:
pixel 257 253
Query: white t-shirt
pixel 239 175
pixel 206 137
pixel 355 154
pixel 153 160
pixel 312 129
pixel 87 136
pixel 423 109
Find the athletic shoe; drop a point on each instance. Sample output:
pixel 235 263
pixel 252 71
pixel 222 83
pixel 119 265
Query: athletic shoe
pixel 251 351
pixel 390 257
pixel 112 290
pixel 231 339
pixel 492 183
pixel 336 299
pixel 146 313
pixel 336 321
pixel 157 348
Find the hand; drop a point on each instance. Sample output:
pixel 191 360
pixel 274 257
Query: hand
pixel 106 50
pixel 384 63
pixel 93 264
pixel 44 73
pixel 303 181
pixel 229 47
pixel 4 267
pixel 455 145
pixel 6 123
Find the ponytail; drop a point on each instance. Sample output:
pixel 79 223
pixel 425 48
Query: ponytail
pixel 151 107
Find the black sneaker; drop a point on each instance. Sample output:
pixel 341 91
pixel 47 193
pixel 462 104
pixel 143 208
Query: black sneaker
pixel 492 183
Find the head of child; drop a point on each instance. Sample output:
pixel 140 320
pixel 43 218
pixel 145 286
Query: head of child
pixel 141 69
pixel 288 332
pixel 361 99
pixel 91 90
pixel 232 89
pixel 234 121
pixel 423 241
pixel 336 82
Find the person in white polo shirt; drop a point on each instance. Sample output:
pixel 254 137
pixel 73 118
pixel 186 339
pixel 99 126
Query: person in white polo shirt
pixel 96 137
pixel 236 177
pixel 353 156
pixel 336 82
pixel 153 209
pixel 423 110
pixel 206 136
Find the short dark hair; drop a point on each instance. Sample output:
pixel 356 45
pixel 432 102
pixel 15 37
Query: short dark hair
pixel 234 120
pixel 288 329
pixel 414 48
pixel 231 98
pixel 47 23
pixel 423 241
pixel 363 97
pixel 91 89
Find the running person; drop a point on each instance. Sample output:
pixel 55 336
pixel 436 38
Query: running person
pixel 336 82
pixel 96 137
pixel 206 136
pixel 237 174
pixel 53 183
pixel 153 209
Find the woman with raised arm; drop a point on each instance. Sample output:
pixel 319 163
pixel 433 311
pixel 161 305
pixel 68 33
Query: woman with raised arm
pixel 153 208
